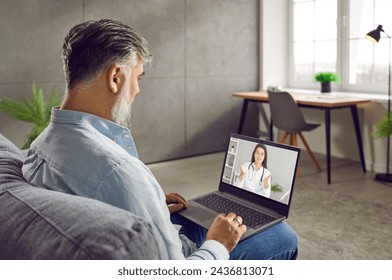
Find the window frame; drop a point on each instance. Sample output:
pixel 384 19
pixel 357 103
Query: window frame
pixel 342 55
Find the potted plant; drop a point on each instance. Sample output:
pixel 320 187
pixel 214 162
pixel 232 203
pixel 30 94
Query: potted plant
pixel 325 78
pixel 384 127
pixel 33 109
pixel 276 188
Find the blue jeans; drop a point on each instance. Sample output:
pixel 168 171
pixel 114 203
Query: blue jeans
pixel 276 243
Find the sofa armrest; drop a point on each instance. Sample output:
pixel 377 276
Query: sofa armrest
pixel 42 224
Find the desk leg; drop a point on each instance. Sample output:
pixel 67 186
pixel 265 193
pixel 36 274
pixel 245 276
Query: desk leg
pixel 243 115
pixel 328 142
pixel 354 113
pixel 266 122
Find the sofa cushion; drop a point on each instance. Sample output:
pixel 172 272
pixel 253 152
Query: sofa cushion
pixel 11 161
pixel 42 224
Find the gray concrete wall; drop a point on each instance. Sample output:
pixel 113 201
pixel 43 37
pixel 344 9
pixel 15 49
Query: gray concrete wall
pixel 204 50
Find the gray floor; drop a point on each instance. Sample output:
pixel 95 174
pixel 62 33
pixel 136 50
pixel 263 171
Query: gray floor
pixel 348 219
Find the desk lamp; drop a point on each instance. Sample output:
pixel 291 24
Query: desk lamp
pixel 374 36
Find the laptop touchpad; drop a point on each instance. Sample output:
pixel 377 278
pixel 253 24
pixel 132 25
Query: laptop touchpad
pixel 201 214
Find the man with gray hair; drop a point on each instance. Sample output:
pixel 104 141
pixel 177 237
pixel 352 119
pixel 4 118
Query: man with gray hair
pixel 88 150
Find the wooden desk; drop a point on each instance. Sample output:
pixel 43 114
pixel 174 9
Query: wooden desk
pixel 315 101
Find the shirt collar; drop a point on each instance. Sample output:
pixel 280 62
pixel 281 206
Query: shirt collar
pixel 119 134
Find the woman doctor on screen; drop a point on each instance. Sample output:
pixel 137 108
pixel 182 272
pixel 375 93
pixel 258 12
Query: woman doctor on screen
pixel 254 176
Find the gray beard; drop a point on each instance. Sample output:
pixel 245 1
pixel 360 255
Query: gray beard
pixel 122 110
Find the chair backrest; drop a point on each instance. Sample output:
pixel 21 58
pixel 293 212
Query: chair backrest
pixel 285 113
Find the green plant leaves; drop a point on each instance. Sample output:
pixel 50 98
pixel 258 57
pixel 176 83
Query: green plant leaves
pixel 33 109
pixel 326 77
pixel 38 102
pixel 276 188
pixel 384 127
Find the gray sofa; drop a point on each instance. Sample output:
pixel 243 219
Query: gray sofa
pixel 41 224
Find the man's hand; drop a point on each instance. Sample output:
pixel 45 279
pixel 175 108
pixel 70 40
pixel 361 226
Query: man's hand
pixel 227 230
pixel 175 202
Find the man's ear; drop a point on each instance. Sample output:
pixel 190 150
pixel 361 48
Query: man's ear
pixel 115 78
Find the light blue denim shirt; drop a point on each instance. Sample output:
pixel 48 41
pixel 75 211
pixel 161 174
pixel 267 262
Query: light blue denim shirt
pixel 85 155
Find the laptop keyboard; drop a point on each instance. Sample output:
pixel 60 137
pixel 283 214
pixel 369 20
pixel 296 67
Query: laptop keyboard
pixel 251 217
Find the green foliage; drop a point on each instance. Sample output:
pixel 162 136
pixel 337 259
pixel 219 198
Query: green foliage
pixel 33 109
pixel 326 77
pixel 276 188
pixel 384 127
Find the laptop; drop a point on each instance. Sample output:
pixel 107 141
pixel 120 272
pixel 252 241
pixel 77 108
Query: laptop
pixel 257 188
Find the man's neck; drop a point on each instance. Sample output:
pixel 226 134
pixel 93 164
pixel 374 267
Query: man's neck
pixel 89 98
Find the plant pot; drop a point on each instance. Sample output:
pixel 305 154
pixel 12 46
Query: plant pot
pixel 326 87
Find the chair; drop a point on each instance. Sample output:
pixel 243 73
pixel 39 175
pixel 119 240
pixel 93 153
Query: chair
pixel 287 116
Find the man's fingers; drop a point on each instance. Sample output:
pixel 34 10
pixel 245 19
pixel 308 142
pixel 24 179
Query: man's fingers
pixel 175 202
pixel 227 229
pixel 173 208
pixel 176 198
pixel 231 216
pixel 238 219
pixel 180 196
pixel 243 229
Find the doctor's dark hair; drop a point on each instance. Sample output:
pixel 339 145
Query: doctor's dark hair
pixel 93 46
pixel 265 154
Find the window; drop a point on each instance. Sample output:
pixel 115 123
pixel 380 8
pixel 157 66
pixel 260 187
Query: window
pixel 368 63
pixel 329 35
pixel 314 38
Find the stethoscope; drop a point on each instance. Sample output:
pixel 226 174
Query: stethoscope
pixel 250 174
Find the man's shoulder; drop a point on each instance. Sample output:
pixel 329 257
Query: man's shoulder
pixel 78 164
pixel 80 152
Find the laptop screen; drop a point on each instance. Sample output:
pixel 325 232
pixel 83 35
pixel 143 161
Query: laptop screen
pixel 260 167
